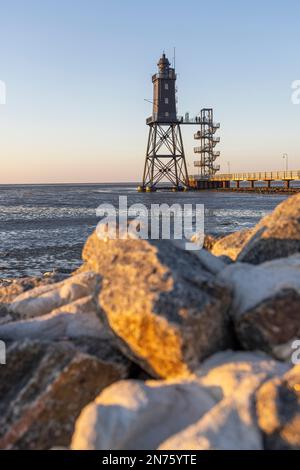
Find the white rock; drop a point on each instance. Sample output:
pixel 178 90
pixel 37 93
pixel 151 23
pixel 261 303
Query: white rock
pixel 214 264
pixel 253 284
pixel 138 415
pixel 226 427
pixel 212 410
pixel 231 424
pixel 44 299
pixel 266 303
pixel 73 320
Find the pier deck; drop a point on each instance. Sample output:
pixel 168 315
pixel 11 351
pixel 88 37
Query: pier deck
pixel 224 180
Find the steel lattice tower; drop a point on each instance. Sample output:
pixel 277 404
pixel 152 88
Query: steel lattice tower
pixel 165 158
pixel 208 141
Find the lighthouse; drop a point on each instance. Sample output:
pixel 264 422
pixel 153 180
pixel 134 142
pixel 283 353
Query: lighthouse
pixel 164 94
pixel 165 158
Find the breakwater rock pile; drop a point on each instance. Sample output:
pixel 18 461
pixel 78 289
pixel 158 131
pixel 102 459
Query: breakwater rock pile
pixel 149 346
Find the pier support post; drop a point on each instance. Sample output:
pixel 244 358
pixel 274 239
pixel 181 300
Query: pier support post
pixel 252 184
pixel 238 184
pixel 268 184
pixel 287 184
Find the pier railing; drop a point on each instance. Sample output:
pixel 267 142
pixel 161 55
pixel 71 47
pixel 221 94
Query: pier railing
pixel 258 176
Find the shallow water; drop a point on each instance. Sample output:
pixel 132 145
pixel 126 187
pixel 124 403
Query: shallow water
pixel 43 227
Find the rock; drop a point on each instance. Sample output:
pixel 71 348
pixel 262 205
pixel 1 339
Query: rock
pixel 278 411
pixel 209 241
pixel 284 351
pixel 229 370
pixel 276 236
pixel 45 386
pixel 73 311
pixel 11 288
pixel 266 303
pixel 136 415
pixel 231 424
pixel 214 410
pixel 231 245
pixel 208 261
pixel 73 320
pixel 167 311
pixel 44 299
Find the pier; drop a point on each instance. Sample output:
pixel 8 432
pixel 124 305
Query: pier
pixel 224 181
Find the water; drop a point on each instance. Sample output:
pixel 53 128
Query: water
pixel 44 227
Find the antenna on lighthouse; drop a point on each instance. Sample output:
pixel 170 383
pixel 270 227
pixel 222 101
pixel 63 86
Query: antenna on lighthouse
pixel 174 58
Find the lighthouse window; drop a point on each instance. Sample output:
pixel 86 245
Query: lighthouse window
pixel 166 86
pixel 166 100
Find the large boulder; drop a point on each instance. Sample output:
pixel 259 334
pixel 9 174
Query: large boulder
pixel 277 235
pixel 45 385
pixel 231 245
pixel 165 308
pixel 139 415
pixel 215 409
pixel 231 424
pixel 278 411
pixel 266 303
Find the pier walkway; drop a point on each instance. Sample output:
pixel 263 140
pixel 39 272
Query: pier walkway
pixel 224 180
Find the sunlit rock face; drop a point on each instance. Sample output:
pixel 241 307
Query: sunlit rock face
pixel 163 305
pixel 45 385
pixel 276 235
pixel 278 411
pixel 213 410
pixel 232 244
pixel 266 303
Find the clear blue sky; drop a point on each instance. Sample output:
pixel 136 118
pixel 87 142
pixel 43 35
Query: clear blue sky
pixel 77 73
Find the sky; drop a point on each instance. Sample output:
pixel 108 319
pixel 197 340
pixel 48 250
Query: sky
pixel 77 73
